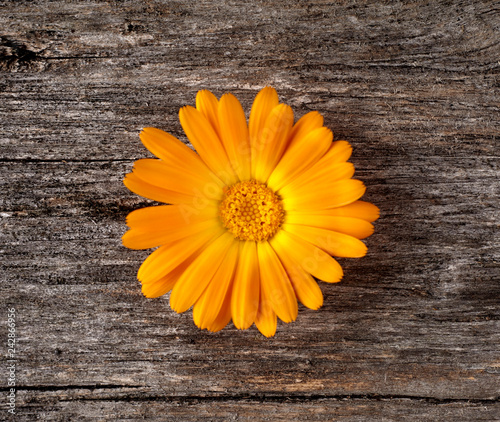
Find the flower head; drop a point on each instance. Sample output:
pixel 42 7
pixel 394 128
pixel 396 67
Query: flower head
pixel 254 215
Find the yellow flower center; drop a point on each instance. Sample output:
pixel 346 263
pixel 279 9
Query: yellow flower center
pixel 251 211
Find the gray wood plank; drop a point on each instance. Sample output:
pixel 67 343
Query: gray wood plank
pixel 411 333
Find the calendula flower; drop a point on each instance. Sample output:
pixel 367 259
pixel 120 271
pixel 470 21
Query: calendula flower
pixel 254 215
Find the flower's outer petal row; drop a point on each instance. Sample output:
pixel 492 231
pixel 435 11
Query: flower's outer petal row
pixel 271 144
pixel 160 287
pixel 168 217
pixel 160 174
pixel 135 239
pixel 246 287
pixel 224 316
pixel 156 226
pixel 174 153
pixel 207 104
pixel 356 227
pixel 207 143
pixel 300 157
pixel 276 284
pixel 323 195
pixel 311 258
pixel 339 152
pixel 167 257
pixel 208 306
pixel 334 243
pixel 149 191
pixel 166 283
pixel 331 166
pixel 307 123
pixel 234 135
pixel 264 102
pixel 319 174
pixel 199 274
pixel 305 287
pixel 358 209
pixel 265 319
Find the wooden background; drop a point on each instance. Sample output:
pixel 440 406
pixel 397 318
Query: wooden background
pixel 412 332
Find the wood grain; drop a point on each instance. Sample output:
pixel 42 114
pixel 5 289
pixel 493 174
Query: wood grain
pixel 412 332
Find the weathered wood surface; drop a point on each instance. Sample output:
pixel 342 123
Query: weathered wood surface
pixel 412 333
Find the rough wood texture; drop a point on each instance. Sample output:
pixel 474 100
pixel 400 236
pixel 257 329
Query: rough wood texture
pixel 412 333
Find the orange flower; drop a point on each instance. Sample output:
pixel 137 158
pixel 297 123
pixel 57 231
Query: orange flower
pixel 254 215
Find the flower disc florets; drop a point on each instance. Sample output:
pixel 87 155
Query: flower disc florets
pixel 251 211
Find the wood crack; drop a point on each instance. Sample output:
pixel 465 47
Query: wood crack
pixel 261 397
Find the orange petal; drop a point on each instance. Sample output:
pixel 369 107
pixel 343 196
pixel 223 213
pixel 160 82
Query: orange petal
pixel 265 319
pixel 356 227
pixel 135 239
pixel 196 278
pixel 246 287
pixel 276 284
pixel 331 166
pixel 174 153
pixel 262 106
pixel 307 123
pixel 300 157
pixel 147 190
pixel 234 135
pixel 166 283
pixel 336 244
pixel 208 306
pixel 160 287
pixel 158 173
pixel 168 217
pixel 305 287
pixel 207 143
pixel 224 316
pixel 155 226
pixel 339 152
pixel 167 257
pixel 320 172
pixel 359 209
pixel 270 146
pixel 207 104
pixel 312 259
pixel 324 194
